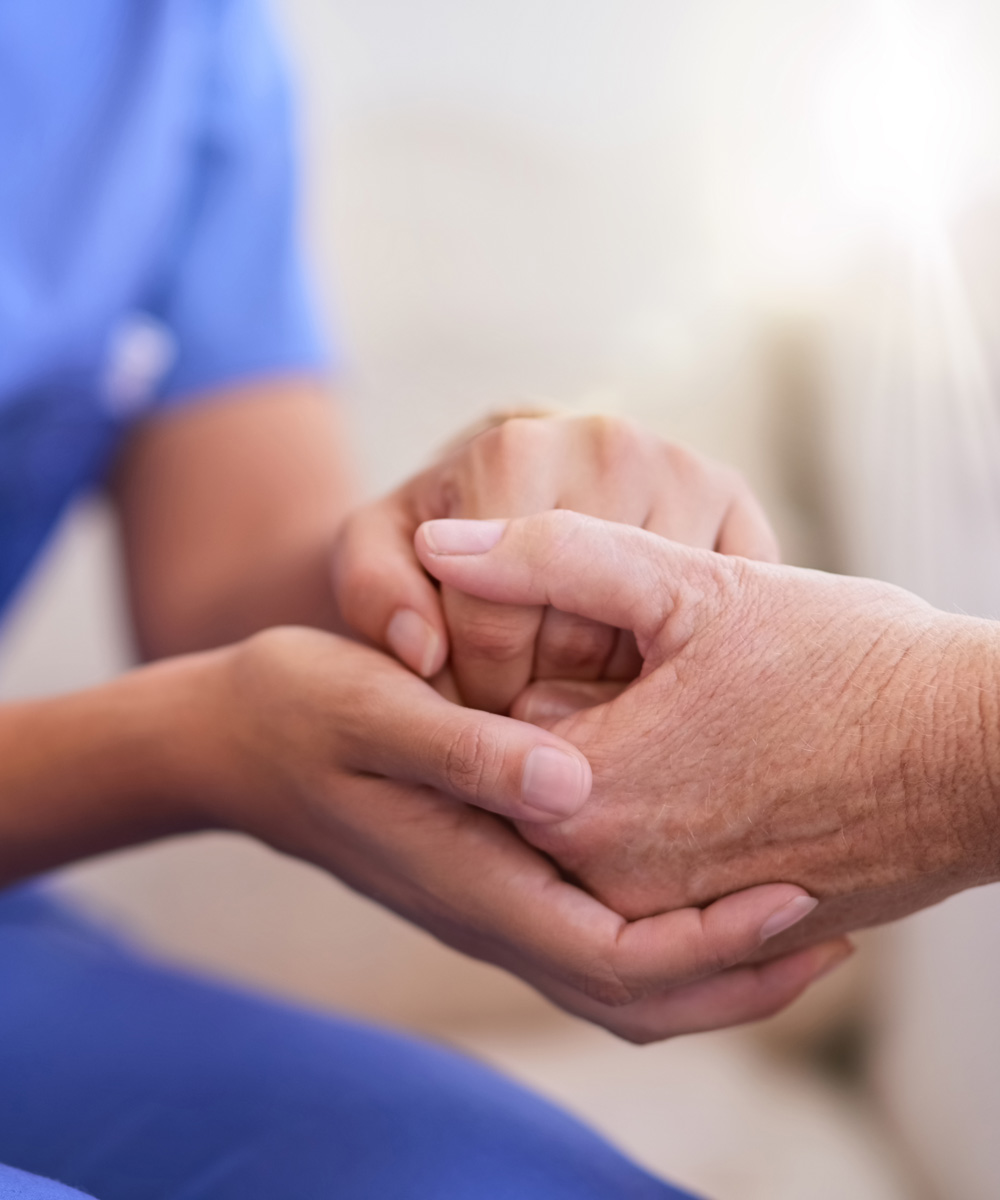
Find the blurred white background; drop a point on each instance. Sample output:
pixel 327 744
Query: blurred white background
pixel 766 228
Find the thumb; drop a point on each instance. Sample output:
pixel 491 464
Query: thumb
pixel 382 591
pixel 492 762
pixel 616 574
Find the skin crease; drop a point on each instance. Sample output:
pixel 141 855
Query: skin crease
pixel 787 724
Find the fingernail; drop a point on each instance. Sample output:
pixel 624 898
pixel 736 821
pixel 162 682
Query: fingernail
pixel 462 537
pixel 788 915
pixel 549 704
pixel 413 641
pixel 554 783
pixel 837 957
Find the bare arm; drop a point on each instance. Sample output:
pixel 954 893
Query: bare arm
pixel 228 509
pixel 93 771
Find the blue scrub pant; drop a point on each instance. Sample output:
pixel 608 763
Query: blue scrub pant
pixel 127 1080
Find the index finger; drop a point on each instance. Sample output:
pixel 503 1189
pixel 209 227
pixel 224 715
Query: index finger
pixel 382 590
pixel 492 648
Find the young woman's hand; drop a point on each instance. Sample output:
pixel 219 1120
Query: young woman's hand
pixel 336 754
pixel 600 466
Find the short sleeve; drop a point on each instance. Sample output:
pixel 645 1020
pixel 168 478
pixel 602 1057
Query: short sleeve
pixel 234 295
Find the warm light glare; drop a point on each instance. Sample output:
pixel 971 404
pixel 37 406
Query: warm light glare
pixel 901 117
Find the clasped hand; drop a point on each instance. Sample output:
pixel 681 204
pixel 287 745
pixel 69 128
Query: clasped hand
pixel 834 732
pixel 405 797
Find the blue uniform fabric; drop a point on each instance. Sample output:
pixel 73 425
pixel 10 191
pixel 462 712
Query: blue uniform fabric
pixel 148 234
pixel 19 1185
pixel 148 253
pixel 127 1080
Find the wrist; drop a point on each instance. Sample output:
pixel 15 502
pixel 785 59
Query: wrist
pixel 198 749
pixel 95 771
pixel 242 723
pixel 154 736
pixel 950 766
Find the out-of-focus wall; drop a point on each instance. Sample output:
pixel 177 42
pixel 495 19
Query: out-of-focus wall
pixel 911 367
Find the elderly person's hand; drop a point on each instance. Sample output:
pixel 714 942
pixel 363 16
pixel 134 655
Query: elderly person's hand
pixel 787 724
pixel 598 465
pixel 335 753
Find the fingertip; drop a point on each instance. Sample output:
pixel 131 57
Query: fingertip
pixel 448 536
pixel 737 925
pixel 544 704
pixel 788 913
pixel 416 642
pixel 555 783
pixel 747 533
pixel 759 904
pixel 383 592
pixel 831 955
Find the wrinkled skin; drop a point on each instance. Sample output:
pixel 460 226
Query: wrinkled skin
pixel 833 732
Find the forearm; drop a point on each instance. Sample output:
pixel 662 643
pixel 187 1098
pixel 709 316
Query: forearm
pixel 287 585
pixel 228 512
pixel 97 770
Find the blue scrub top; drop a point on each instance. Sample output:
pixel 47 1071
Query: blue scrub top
pixel 148 234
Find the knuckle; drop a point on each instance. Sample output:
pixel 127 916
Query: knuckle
pixel 686 465
pixel 490 637
pixel 272 647
pixel 561 525
pixel 702 943
pixel 715 954
pixel 729 586
pixel 515 438
pixel 607 992
pixel 603 984
pixel 263 665
pixel 615 441
pixel 470 761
